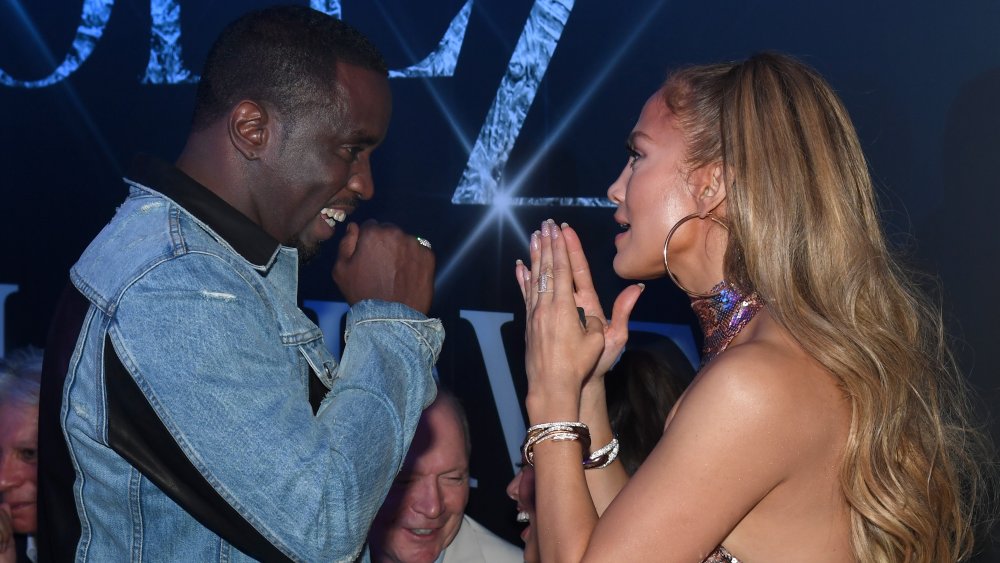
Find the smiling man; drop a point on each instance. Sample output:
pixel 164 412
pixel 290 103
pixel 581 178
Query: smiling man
pixel 19 383
pixel 205 417
pixel 423 520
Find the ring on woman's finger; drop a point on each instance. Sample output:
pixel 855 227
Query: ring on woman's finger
pixel 543 283
pixel 424 243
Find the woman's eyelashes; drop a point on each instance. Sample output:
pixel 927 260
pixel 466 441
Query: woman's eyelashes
pixel 633 155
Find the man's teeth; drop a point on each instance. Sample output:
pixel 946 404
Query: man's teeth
pixel 333 216
pixel 422 531
pixel 523 517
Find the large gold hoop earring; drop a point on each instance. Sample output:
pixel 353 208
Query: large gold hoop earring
pixel 666 243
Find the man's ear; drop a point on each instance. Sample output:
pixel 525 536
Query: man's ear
pixel 249 126
pixel 709 183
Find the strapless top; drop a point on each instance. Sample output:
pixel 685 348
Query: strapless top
pixel 720 555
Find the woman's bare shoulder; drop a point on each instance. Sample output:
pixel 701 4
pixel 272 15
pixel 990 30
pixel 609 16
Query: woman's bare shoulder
pixel 751 371
pixel 761 427
pixel 740 433
pixel 774 382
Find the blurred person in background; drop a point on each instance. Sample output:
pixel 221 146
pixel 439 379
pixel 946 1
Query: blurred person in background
pixel 423 518
pixel 20 373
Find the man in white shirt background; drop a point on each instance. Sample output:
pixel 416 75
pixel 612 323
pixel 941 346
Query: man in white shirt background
pixel 423 519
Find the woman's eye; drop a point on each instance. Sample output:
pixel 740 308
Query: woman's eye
pixel 633 155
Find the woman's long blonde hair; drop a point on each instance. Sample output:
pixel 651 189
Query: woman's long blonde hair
pixel 805 234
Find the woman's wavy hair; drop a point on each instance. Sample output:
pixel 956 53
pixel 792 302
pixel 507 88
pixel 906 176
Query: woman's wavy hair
pixel 804 233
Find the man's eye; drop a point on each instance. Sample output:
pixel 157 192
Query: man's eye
pixel 29 455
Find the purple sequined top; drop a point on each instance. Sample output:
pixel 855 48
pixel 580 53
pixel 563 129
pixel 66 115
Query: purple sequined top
pixel 720 555
pixel 722 316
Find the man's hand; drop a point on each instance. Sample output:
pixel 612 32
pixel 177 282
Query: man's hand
pixel 380 261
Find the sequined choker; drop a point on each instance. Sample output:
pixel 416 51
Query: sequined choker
pixel 722 316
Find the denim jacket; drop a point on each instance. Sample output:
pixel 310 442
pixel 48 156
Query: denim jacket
pixel 216 348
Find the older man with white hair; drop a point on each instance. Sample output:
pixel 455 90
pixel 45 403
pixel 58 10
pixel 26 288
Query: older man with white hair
pixel 423 519
pixel 20 374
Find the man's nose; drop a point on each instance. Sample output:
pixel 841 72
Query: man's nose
pixel 513 486
pixel 9 477
pixel 361 181
pixel 427 499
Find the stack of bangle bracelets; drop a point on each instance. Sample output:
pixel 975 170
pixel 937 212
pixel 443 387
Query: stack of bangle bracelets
pixel 568 431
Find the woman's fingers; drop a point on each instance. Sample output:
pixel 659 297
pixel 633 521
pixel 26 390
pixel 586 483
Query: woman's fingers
pixel 523 277
pixel 594 326
pixel 593 343
pixel 561 265
pixel 534 253
pixel 616 334
pixel 545 285
pixel 560 350
pixel 582 280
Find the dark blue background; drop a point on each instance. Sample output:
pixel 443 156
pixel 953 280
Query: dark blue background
pixel 921 80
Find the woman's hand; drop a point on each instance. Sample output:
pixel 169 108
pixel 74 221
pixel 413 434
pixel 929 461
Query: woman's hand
pixel 585 297
pixel 584 294
pixel 561 352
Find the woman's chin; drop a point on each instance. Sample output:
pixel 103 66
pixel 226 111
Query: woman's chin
pixel 628 271
pixel 620 267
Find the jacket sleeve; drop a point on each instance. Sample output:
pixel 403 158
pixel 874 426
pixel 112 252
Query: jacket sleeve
pixel 204 346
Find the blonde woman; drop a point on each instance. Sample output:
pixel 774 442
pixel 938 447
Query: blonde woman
pixel 827 423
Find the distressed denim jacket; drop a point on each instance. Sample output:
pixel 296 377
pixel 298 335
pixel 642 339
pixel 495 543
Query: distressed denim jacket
pixel 218 349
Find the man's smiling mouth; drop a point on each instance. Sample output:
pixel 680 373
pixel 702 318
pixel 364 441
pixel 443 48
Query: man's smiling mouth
pixel 333 216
